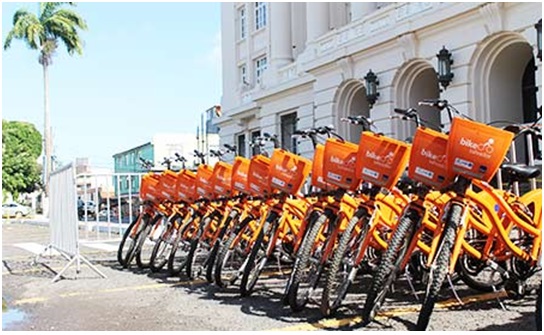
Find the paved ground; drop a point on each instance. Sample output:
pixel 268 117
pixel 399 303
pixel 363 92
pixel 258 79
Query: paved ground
pixel 138 300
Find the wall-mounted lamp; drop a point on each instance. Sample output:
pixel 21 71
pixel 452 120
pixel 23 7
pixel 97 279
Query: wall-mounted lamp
pixel 538 28
pixel 371 83
pixel 444 67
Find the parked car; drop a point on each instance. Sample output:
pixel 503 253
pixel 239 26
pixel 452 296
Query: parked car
pixel 86 208
pixel 13 209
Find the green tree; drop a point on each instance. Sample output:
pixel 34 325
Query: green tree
pixel 43 33
pixel 21 147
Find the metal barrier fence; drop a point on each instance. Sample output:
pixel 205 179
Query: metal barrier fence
pixel 107 202
pixel 63 224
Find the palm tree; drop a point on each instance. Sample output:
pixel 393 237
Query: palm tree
pixel 43 33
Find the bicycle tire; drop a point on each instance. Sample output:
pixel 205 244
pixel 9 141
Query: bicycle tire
pixel 296 297
pixel 124 255
pixel 254 265
pixel 228 254
pixel 330 303
pixel 439 268
pixel 210 262
pixel 158 260
pixel 180 250
pixel 191 269
pixel 388 269
pixel 141 260
pixel 470 278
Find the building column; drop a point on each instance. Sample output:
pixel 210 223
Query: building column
pixel 280 34
pixel 317 20
pixel 361 9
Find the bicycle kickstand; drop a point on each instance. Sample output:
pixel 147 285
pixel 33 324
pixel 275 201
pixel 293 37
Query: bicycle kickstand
pixel 454 291
pixel 409 278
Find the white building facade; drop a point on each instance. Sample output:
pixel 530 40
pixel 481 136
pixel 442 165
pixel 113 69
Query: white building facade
pixel 290 66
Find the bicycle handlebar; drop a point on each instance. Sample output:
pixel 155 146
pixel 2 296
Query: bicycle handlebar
pixel 273 138
pixel 216 153
pixel 408 114
pixel 521 129
pixel 313 132
pixel 200 155
pixel 436 103
pixel 180 158
pixel 359 120
pixel 231 148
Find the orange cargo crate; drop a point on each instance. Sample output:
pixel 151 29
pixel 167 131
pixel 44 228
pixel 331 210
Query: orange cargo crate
pixel 149 190
pixel 258 175
pixel 185 186
pixel 381 159
pixel 222 173
pixel 476 150
pixel 240 170
pixel 339 164
pixel 427 162
pixel 204 181
pixel 167 185
pixel 288 171
pixel 317 169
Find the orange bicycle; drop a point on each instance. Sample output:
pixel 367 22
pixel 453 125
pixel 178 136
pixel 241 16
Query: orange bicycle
pixel 380 161
pixel 512 231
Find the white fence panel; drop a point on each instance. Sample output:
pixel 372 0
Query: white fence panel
pixel 63 224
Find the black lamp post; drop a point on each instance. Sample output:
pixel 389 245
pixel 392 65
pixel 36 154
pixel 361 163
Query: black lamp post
pixel 538 28
pixel 444 67
pixel 371 83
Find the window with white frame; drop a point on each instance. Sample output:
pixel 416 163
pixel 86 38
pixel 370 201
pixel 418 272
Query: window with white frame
pixel 243 75
pixel 243 22
pixel 260 15
pixel 260 67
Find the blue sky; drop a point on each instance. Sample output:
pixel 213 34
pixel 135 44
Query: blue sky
pixel 147 68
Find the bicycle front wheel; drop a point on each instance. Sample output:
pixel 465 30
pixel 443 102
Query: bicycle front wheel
pixel 231 256
pixel 307 269
pixel 125 253
pixel 343 269
pixel 257 258
pixel 440 266
pixel 144 250
pixel 389 266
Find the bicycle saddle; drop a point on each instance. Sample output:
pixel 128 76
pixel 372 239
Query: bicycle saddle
pixel 520 172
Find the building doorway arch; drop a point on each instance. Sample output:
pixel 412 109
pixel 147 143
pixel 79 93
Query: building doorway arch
pixel 416 81
pixel 505 89
pixel 350 100
pixel 503 73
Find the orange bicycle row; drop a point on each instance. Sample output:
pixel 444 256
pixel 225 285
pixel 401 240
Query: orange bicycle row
pixel 381 208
